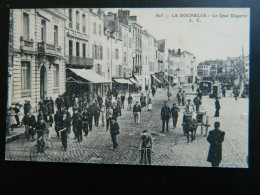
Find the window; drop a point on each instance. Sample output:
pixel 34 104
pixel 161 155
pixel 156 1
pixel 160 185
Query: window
pixel 99 69
pixel 26 32
pixel 120 70
pixel 99 29
pixel 116 54
pixel 56 75
pixel 25 76
pixel 77 48
pixel 130 43
pixel 70 48
pixel 101 53
pixel 84 23
pixel 43 30
pixel 94 52
pixel 84 50
pixel 70 18
pixel 95 28
pixel 56 35
pixel 77 20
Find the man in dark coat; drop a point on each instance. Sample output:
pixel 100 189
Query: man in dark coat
pixel 114 131
pixel 179 98
pixel 77 124
pixel 90 116
pixel 217 107
pixel 174 111
pixel 215 138
pixel 64 129
pixel 165 116
pixel 29 121
pixel 153 91
pixel 197 102
pixel 96 110
pixel 100 100
pixel 57 119
pixel 59 103
pixel 17 110
pixel 51 102
pixel 123 100
pixel 85 121
pixel 142 100
pixel 116 111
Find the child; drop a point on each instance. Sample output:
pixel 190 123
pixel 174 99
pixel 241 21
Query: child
pixel 150 105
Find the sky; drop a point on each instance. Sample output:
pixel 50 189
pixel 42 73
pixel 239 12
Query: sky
pixel 214 34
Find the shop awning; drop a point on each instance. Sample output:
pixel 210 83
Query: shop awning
pixel 133 80
pixel 123 81
pixel 73 80
pixel 89 75
pixel 155 78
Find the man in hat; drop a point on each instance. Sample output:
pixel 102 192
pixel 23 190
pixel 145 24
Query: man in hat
pixel 165 116
pixel 197 102
pixel 29 122
pixel 175 112
pixel 217 107
pixel 123 99
pixel 51 102
pixel 137 112
pixel 59 102
pixel 57 119
pixel 114 131
pixel 109 116
pixel 96 110
pixel 183 98
pixel 85 121
pixel 142 100
pixel 77 124
pixel 215 138
pixel 90 116
pixel 146 143
pixel 189 107
pixel 130 101
pixel 41 129
pixel 64 129
pixel 118 103
pixel 116 111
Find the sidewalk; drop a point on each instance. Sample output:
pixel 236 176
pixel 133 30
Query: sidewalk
pixel 15 134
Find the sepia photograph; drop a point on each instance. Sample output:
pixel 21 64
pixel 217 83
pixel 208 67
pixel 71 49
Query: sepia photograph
pixel 129 86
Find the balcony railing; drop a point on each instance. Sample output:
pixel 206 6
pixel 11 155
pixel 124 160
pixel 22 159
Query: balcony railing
pixel 26 45
pixel 48 49
pixel 80 61
pixel 76 34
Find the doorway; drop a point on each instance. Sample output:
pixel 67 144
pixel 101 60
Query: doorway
pixel 43 83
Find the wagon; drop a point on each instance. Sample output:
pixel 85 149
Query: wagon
pixel 203 120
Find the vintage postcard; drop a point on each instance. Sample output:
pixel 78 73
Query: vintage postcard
pixel 135 86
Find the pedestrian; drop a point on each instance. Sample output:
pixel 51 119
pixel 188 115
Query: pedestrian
pixel 183 98
pixel 215 138
pixel 192 87
pixel 59 102
pixel 100 100
pixel 189 107
pixel 116 111
pixel 114 131
pixel 49 119
pixel 137 112
pixel 97 111
pixel 224 92
pixel 17 111
pixel 51 105
pixel 85 121
pixel 109 115
pixel 118 103
pixel 169 95
pixel 217 107
pixel 150 105
pixel 90 116
pixel 197 101
pixel 26 107
pixel 165 116
pixel 153 91
pixel 146 87
pixel 142 100
pixel 10 119
pixel 41 129
pixel 123 100
pixel 21 113
pixel 146 143
pixel 57 119
pixel 175 112
pixel 130 101
pixel 179 98
pixel 29 122
pixel 64 129
pixel 102 113
pixel 77 124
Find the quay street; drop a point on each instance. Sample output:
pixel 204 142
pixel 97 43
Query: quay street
pixel 169 148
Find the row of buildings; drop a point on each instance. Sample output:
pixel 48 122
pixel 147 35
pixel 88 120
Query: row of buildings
pixel 52 51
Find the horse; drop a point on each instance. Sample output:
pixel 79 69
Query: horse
pixel 189 125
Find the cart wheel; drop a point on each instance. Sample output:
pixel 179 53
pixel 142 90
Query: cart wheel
pixel 34 153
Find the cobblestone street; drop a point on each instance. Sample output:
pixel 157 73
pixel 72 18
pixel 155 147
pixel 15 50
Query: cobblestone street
pixel 170 148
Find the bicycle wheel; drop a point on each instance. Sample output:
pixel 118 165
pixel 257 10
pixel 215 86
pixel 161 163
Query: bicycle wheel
pixel 48 144
pixel 34 153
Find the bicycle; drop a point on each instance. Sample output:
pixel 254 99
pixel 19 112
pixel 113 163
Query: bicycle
pixel 38 148
pixel 145 156
pixel 26 135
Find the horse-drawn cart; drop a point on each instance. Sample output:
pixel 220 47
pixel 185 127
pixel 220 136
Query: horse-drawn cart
pixel 203 120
